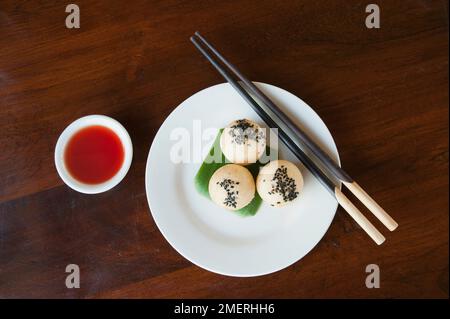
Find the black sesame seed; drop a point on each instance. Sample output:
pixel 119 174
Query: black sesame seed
pixel 230 199
pixel 284 185
pixel 243 131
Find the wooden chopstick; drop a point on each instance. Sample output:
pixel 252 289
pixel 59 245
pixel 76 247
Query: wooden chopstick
pixel 307 162
pixel 327 161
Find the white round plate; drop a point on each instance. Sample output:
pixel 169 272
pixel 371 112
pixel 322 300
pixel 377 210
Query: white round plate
pixel 212 237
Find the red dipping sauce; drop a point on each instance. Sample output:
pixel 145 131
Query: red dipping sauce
pixel 94 154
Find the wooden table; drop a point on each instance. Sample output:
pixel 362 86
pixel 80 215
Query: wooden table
pixel 382 92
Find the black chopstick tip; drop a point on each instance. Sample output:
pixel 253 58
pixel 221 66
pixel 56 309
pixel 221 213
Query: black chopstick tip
pixel 197 33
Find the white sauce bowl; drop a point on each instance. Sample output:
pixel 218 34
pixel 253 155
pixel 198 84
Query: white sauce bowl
pixel 74 127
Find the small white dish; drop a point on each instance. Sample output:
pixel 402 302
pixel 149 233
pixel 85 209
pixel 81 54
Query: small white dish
pixel 219 240
pixel 74 127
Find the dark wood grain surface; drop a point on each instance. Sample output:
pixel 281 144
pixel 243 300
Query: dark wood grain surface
pixel 382 92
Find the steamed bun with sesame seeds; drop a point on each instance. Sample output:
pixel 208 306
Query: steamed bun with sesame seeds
pixel 243 142
pixel 232 187
pixel 279 182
